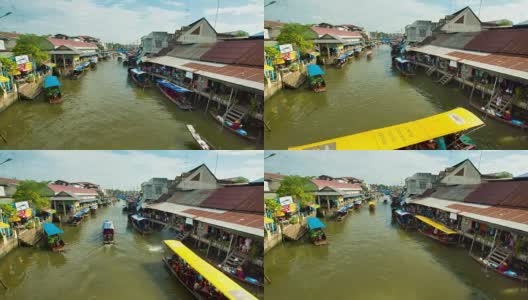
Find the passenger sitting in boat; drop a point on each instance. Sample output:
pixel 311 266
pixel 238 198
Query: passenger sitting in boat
pixel 503 267
pixel 240 273
pixel 236 125
pixel 507 115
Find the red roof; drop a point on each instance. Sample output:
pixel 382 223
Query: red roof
pixel 57 188
pixel 322 183
pixel 500 60
pixel 12 35
pixel 322 31
pixel 512 41
pixel 247 73
pixel 237 52
pixel 9 180
pixel 70 43
pixel 273 176
pixel 249 198
pixel 503 193
pixel 504 213
pixel 245 219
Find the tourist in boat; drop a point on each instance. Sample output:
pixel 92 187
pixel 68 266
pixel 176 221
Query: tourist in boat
pixel 503 267
pixel 236 125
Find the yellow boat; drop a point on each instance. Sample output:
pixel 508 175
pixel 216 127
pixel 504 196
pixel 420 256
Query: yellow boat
pixel 372 205
pixel 445 129
pixel 437 231
pixel 225 286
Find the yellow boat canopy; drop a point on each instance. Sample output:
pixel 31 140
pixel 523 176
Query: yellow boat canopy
pixel 402 135
pixel 223 283
pixel 436 225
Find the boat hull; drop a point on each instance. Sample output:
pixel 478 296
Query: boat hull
pixel 179 104
pixel 247 137
pixel 481 262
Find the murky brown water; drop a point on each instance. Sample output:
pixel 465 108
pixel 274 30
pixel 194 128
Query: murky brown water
pixel 367 94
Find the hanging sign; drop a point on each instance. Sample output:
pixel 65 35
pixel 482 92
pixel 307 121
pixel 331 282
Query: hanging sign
pixel 22 205
pixel 453 216
pixel 22 59
pixel 286 48
pixel 189 221
pixel 189 75
pixel 286 200
pixel 453 63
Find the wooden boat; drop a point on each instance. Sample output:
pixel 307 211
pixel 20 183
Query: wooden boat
pixel 204 145
pixel 178 257
pixel 108 232
pixel 227 125
pixel 93 208
pixel 406 220
pixel 443 131
pixel 495 117
pixel 140 224
pixel 317 235
pixel 340 61
pixel 357 51
pixel 357 204
pixel 76 73
pixel 341 213
pixel 52 89
pixel 436 231
pixel 403 65
pixel 369 54
pixel 53 240
pixel 315 78
pixel 119 58
pixel 175 94
pixel 489 266
pixel 139 77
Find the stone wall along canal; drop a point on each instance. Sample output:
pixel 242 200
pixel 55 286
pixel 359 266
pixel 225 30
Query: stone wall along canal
pixel 130 269
pixel 369 258
pixel 367 94
pixel 104 110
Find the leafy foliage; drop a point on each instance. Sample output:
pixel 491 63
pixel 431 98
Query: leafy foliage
pixel 8 210
pixel 271 52
pixel 298 35
pixel 34 192
pixel 298 187
pixel 241 33
pixel 32 45
pixel 504 175
pixel 272 205
pixel 7 63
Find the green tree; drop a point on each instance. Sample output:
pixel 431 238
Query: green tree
pixel 272 52
pixel 504 23
pixel 504 175
pixel 240 179
pixel 7 63
pixel 8 210
pixel 272 205
pixel 300 188
pixel 32 45
pixel 241 33
pixel 298 35
pixel 35 192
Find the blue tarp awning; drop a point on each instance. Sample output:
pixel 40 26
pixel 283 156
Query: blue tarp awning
pixel 78 215
pixel 85 210
pixel 314 223
pixel 342 57
pixel 172 86
pixel 79 68
pixel 51 229
pixel 51 81
pixel 343 209
pixel 85 64
pixel 401 60
pixel 314 70
pixel 137 72
pixel 353 196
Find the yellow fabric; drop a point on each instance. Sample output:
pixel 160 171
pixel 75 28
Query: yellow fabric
pixel 436 225
pixel 14 219
pixel 268 68
pixel 28 66
pixel 372 203
pixel 279 214
pixel 4 225
pixel 314 205
pixel 268 220
pixel 14 72
pixel 4 79
pixel 402 135
pixel 223 283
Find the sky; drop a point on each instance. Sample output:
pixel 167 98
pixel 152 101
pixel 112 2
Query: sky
pixel 126 169
pixel 125 21
pixel 390 167
pixel 389 15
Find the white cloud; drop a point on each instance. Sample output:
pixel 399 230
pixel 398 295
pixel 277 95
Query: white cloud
pixel 254 8
pixel 172 3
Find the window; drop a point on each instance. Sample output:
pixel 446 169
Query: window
pixel 196 178
pixel 460 173
pixel 422 32
pixel 423 184
pixel 196 31
pixel 460 21
pixel 158 189
pixel 158 43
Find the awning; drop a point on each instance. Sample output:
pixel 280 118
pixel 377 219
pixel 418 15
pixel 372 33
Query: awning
pixel 400 212
pixel 50 229
pixel 51 81
pixel 49 211
pixel 172 86
pixel 436 225
pixel 137 218
pixel 14 219
pixel 108 225
pixel 314 223
pixel 402 60
pixel 218 279
pixel 314 70
pixel 315 206
pixel 79 69
pixel 137 71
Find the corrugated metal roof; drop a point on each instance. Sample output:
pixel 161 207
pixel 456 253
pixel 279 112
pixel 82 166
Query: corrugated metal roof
pixel 245 219
pixel 193 51
pixel 508 217
pixel 506 41
pixel 499 60
pixel 240 198
pixel 503 193
pixel 454 193
pixel 238 52
pixel 194 198
pixel 454 40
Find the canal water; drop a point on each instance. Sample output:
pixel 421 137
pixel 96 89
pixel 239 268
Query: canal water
pixel 369 258
pixel 129 269
pixel 105 110
pixel 368 94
